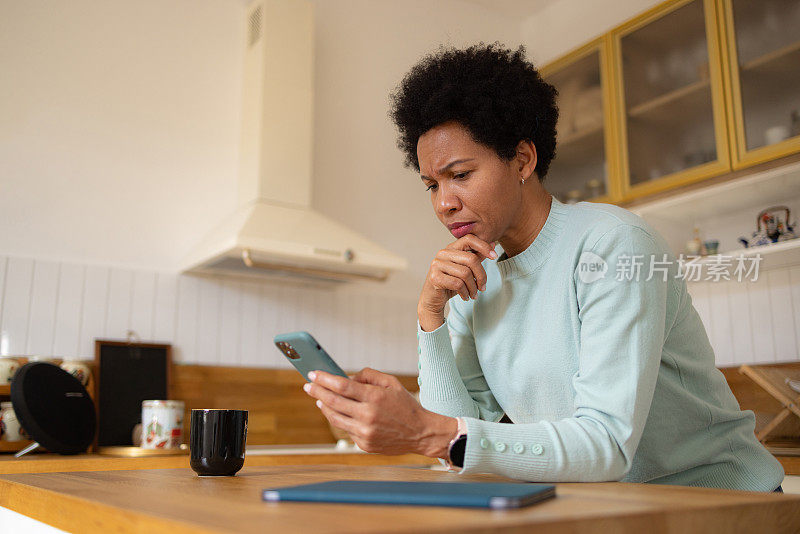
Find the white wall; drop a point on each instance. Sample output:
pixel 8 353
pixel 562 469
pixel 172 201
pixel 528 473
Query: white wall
pixel 563 25
pixel 120 125
pixel 119 150
pixel 363 49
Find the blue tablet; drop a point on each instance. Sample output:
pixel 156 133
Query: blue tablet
pixel 495 495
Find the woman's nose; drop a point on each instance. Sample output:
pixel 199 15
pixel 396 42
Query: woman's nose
pixel 447 201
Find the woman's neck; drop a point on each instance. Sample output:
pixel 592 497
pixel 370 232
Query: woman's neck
pixel 533 215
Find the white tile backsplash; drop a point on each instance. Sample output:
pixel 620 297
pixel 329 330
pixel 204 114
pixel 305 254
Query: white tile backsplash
pixel 44 302
pixel 143 294
pixel 780 297
pixel 69 310
pixel 60 308
pixel 164 307
pixel 187 311
pixel 752 322
pixel 17 304
pixel 53 308
pixel 741 325
pixel 94 305
pixel 120 301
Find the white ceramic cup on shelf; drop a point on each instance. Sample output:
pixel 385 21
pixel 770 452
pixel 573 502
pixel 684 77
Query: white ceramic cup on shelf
pixel 776 134
pixel 9 424
pixel 8 366
pixel 78 369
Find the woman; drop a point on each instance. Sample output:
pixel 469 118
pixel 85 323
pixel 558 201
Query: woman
pixel 581 332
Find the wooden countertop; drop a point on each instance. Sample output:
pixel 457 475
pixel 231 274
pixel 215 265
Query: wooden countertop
pixel 178 501
pixel 254 457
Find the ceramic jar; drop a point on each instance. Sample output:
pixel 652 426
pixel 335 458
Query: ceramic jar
pixel 78 369
pixel 8 366
pixel 162 424
pixel 9 424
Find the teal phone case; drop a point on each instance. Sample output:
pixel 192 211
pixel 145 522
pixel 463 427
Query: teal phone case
pixel 306 354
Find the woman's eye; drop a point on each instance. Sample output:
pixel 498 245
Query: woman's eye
pixel 430 187
pixel 462 174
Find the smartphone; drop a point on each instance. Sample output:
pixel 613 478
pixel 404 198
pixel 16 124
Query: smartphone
pixel 306 354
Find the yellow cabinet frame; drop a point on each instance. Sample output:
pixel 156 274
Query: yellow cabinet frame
pixel 741 156
pixel 601 45
pixel 694 174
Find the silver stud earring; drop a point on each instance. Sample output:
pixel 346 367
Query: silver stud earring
pixel 523 181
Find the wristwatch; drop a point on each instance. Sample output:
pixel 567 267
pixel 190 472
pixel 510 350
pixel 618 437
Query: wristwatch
pixel 457 450
pixel 458 446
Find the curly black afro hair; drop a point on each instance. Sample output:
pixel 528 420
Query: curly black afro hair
pixel 494 92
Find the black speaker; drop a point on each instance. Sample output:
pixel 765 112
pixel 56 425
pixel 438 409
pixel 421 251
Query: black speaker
pixel 53 407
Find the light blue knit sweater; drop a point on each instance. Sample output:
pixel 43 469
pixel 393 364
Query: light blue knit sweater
pixel 605 379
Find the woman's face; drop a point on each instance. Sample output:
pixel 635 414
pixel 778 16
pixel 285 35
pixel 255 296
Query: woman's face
pixel 469 182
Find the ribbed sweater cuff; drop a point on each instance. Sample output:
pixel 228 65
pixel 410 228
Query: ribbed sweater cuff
pixel 524 452
pixel 438 374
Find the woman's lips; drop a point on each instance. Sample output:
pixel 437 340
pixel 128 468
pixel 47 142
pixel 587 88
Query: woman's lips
pixel 461 231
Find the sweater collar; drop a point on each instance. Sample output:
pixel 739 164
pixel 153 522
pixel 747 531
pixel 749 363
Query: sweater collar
pixel 537 252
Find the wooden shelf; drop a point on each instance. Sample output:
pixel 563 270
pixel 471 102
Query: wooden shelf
pixel 668 98
pixel 780 254
pixel 5 390
pixel 770 57
pixel 13 446
pixel 737 203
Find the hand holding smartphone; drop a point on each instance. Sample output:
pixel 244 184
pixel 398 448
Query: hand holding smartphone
pixel 306 354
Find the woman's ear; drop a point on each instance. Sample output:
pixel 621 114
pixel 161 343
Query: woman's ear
pixel 526 159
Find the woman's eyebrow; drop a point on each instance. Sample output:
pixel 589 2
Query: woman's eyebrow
pixel 446 167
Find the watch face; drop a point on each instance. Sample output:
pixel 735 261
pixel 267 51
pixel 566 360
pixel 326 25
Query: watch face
pixel 457 451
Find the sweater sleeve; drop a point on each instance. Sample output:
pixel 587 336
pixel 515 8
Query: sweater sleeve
pixel 451 380
pixel 622 332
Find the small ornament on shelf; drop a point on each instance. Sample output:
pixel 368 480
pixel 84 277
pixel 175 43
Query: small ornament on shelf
pixel 695 247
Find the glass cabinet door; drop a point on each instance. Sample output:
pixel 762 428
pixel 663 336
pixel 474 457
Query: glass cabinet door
pixel 763 39
pixel 670 83
pixel 580 169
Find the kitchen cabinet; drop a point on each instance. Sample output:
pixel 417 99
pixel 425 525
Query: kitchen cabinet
pixel 762 49
pixel 689 90
pixel 670 97
pixel 586 160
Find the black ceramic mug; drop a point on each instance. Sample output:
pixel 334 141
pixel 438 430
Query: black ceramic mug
pixel 216 441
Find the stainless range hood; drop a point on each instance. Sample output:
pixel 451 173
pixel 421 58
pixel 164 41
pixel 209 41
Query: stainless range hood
pixel 275 230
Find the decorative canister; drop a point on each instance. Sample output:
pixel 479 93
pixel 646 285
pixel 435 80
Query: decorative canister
pixel 162 424
pixel 78 369
pixel 8 366
pixel 9 423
